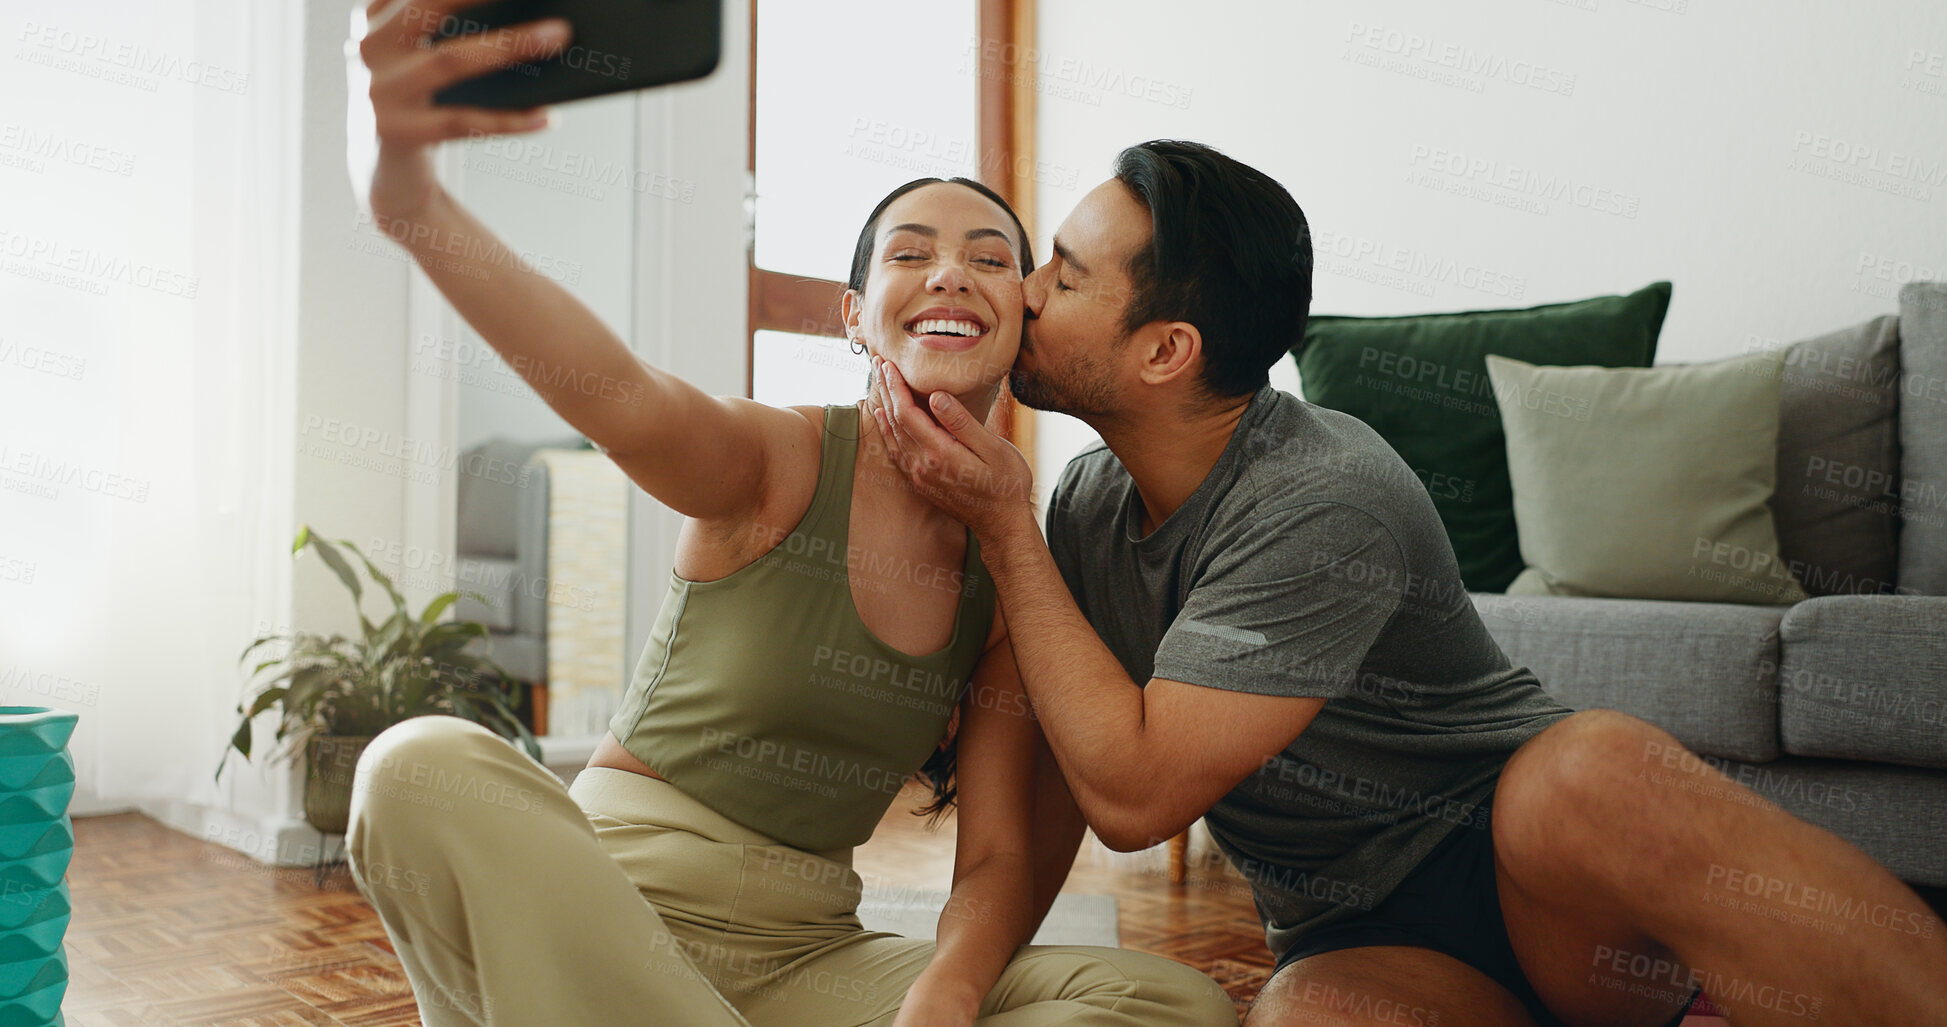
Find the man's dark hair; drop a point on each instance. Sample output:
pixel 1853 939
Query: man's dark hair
pixel 1229 251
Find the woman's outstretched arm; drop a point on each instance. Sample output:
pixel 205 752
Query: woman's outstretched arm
pixel 702 455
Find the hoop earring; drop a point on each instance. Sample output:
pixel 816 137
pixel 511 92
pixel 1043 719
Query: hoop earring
pixel 858 346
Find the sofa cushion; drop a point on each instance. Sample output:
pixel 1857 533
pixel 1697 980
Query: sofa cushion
pixel 1421 383
pixel 523 657
pixel 486 502
pixel 1705 672
pixel 493 478
pixel 1865 678
pixel 1839 459
pixel 497 579
pixel 1646 482
pixel 1923 438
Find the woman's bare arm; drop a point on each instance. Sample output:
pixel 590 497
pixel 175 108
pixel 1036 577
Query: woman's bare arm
pixel 991 911
pixel 702 455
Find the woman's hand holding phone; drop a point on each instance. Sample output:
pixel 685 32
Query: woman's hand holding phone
pixel 407 67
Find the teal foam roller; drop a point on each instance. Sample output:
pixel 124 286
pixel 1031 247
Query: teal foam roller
pixel 25 907
pixel 41 866
pixel 37 940
pixel 43 803
pixel 43 1004
pixel 36 845
pixel 26 730
pixel 24 977
pixel 37 770
pixel 25 839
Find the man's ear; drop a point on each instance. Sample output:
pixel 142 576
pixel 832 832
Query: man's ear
pixel 1172 350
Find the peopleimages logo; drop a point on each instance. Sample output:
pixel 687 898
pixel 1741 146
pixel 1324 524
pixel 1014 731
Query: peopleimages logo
pixel 1473 65
pixel 1084 75
pixel 1524 182
pixel 1880 169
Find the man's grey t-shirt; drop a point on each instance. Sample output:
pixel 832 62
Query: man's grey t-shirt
pixel 1310 562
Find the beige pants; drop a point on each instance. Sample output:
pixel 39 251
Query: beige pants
pixel 512 900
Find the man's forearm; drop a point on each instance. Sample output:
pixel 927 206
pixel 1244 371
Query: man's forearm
pixel 1090 710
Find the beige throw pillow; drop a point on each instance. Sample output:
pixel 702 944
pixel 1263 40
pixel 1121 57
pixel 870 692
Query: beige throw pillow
pixel 1646 483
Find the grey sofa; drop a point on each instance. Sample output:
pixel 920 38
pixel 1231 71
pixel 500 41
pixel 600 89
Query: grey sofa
pixel 1834 707
pixel 502 550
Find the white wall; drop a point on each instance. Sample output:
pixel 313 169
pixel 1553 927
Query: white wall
pixel 568 196
pixel 381 350
pixel 1698 140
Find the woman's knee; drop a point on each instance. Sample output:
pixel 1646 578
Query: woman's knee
pixel 1187 995
pixel 403 774
pixel 1130 987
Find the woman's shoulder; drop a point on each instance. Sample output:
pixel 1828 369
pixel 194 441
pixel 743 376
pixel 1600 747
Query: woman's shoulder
pixel 793 439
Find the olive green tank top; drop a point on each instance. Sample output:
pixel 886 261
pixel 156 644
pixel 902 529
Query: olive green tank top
pixel 764 696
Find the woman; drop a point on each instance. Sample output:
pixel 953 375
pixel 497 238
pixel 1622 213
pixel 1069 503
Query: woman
pixel 823 626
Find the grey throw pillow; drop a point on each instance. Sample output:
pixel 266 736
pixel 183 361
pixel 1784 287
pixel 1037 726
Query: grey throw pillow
pixel 1646 483
pixel 1839 459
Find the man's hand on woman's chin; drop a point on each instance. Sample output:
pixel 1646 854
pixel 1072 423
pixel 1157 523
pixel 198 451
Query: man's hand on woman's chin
pixel 952 459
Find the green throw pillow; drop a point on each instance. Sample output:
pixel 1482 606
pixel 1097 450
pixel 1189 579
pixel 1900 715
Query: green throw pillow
pixel 1421 383
pixel 1646 483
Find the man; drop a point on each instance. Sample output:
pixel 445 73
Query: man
pixel 1272 634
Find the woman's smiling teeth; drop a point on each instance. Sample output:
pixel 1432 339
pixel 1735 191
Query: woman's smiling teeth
pixel 941 326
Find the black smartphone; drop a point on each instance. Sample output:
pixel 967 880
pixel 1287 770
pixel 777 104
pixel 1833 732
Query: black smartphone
pixel 617 45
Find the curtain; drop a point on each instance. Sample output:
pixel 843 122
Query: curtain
pixel 147 344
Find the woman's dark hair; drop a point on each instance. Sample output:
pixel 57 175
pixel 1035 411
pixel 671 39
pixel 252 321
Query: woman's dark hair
pixel 1229 251
pixel 938 770
pixel 862 253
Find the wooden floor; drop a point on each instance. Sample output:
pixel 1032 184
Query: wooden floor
pixel 170 930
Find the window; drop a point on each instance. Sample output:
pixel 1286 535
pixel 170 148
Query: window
pixel 843 109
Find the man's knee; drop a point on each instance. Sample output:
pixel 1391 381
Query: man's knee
pixel 1582 767
pixel 1582 793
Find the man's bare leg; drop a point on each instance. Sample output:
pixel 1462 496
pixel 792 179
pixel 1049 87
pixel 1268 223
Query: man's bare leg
pixel 1614 845
pixel 1393 985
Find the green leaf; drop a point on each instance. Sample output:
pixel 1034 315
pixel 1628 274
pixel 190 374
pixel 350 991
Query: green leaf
pixel 242 739
pixel 398 601
pixel 252 647
pixel 336 562
pixel 303 536
pixel 437 607
pixel 463 707
pixel 444 640
pixel 308 686
pixel 264 699
pixel 388 635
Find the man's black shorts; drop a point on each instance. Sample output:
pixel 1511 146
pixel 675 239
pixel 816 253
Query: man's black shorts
pixel 1449 904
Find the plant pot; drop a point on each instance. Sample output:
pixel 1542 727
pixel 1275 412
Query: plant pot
pixel 36 844
pixel 329 764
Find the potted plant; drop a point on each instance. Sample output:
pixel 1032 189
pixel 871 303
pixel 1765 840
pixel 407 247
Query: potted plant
pixel 334 694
